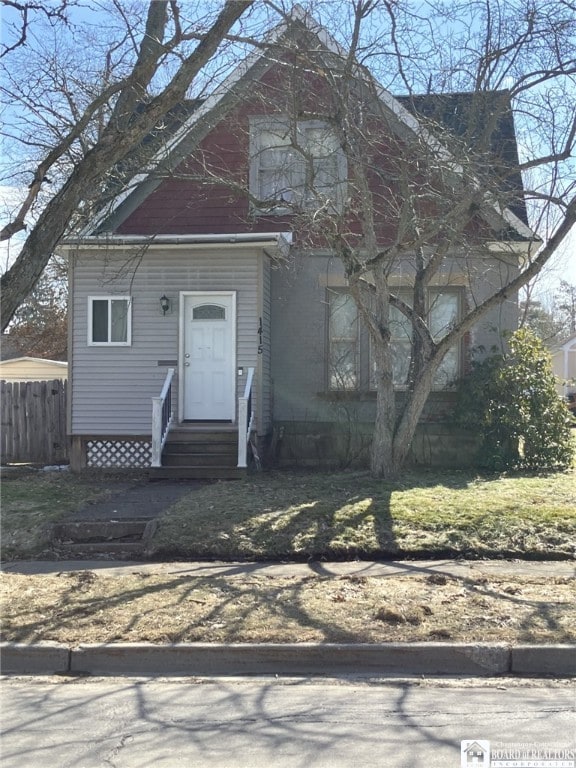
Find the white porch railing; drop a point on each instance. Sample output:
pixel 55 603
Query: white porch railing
pixel 162 415
pixel 245 420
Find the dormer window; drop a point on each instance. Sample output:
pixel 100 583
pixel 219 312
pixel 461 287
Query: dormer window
pixel 295 165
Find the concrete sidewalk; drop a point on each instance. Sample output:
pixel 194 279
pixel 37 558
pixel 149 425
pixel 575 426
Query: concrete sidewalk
pixel 380 569
pixel 212 659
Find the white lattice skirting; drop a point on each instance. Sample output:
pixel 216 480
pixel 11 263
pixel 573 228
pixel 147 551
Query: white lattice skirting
pixel 129 454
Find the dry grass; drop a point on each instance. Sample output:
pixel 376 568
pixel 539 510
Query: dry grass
pixel 33 501
pixel 92 607
pixel 296 516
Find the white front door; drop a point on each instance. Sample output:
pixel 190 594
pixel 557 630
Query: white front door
pixel 208 356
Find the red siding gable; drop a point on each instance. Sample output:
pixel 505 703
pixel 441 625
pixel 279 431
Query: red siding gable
pixel 194 200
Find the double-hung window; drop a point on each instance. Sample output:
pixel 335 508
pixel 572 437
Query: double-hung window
pixel 295 165
pixel 109 321
pixel 442 311
pixel 351 358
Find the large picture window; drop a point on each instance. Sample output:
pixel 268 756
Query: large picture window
pixel 295 165
pixel 351 359
pixel 109 320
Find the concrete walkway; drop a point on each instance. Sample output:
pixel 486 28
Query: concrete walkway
pixel 135 500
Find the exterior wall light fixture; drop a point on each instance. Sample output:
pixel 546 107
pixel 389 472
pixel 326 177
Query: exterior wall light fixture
pixel 165 304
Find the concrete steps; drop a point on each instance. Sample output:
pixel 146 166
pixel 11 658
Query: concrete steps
pixel 114 538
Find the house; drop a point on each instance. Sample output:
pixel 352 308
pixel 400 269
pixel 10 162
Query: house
pixel 564 366
pixel 32 369
pixel 205 315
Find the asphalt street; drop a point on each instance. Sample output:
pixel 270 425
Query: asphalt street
pixel 283 723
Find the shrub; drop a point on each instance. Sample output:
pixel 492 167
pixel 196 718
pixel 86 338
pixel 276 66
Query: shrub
pixel 512 401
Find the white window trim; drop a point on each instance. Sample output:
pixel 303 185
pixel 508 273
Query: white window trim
pixel 262 123
pixel 109 298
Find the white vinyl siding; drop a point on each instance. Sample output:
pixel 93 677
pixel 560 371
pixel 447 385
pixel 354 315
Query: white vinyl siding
pixel 113 386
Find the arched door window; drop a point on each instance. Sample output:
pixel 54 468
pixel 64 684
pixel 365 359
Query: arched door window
pixel 209 312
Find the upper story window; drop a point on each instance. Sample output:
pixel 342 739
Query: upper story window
pixel 295 165
pixel 109 321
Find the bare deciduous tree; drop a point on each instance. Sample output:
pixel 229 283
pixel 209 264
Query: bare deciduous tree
pixel 78 124
pixel 439 203
pixel 426 205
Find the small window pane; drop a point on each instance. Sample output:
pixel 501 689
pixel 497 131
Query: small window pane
pixel 343 373
pixel 209 312
pixel 322 146
pixel 273 139
pixel 447 373
pixel 119 320
pixel 443 313
pixel 401 353
pixel 100 320
pixel 400 325
pixel 343 316
pixel 343 342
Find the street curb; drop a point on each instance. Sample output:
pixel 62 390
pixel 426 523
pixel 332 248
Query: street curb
pixel 211 659
pixel 41 659
pixel 544 660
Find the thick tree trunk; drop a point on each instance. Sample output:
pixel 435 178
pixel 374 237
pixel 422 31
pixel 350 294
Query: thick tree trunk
pixel 382 462
pixel 394 432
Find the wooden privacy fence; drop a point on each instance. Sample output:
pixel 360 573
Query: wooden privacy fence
pixel 34 422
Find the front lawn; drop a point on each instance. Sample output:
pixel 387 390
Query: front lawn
pixel 33 500
pixel 299 516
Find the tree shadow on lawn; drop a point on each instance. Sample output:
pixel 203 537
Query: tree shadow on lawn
pixel 230 608
pixel 295 516
pixel 231 611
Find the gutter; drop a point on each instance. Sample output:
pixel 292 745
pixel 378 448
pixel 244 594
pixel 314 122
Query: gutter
pixel 280 241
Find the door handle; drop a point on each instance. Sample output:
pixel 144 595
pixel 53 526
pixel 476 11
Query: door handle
pixel 187 365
